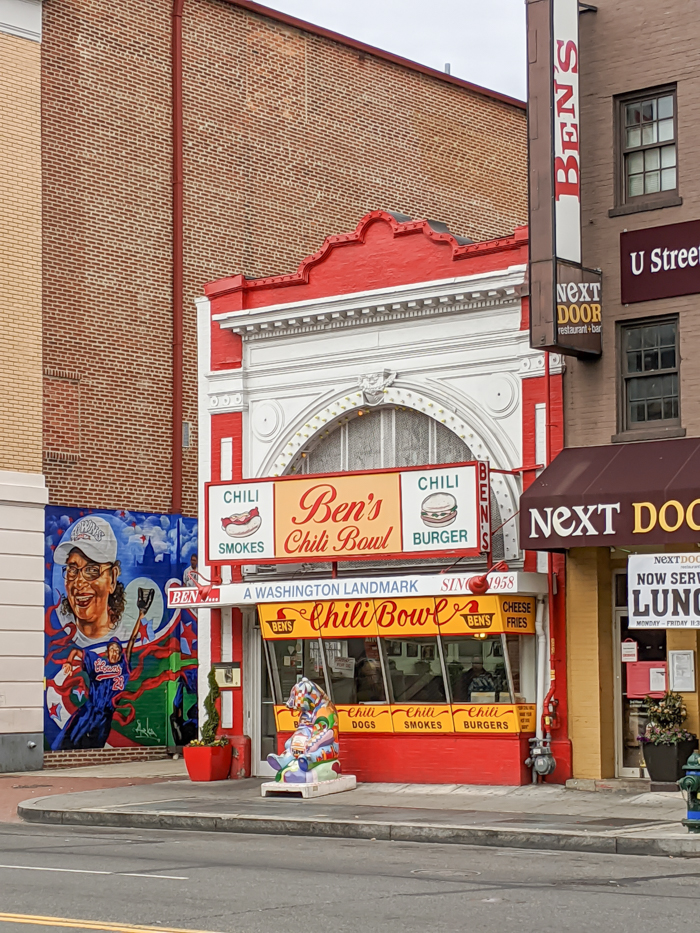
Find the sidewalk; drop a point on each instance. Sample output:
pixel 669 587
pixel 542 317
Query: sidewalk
pixel 536 817
pixel 18 786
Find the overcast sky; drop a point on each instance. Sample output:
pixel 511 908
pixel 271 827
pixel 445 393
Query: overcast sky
pixel 483 40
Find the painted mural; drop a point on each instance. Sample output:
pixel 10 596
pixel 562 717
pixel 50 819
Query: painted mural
pixel 120 667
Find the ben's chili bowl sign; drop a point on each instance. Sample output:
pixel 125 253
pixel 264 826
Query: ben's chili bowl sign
pixel 394 618
pixel 350 516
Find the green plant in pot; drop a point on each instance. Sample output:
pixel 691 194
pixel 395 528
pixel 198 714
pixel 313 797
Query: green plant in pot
pixel 667 745
pixel 209 758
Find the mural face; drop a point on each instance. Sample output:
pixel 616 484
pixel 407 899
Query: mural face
pixel 121 669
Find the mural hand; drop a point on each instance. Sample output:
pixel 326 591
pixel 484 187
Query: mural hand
pixel 145 599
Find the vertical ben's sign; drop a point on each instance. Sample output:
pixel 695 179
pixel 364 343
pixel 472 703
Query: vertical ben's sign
pixel 565 298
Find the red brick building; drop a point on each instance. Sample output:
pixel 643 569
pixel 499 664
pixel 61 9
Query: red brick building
pixel 184 141
pixel 288 133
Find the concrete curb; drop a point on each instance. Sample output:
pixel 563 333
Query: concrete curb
pixel 35 811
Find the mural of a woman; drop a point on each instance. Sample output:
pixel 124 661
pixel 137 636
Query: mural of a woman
pixel 94 596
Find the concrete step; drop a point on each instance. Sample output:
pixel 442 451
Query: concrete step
pixel 615 785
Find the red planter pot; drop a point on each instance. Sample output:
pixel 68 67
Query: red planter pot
pixel 208 762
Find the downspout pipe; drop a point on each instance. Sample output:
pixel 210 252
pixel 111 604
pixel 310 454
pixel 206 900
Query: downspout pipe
pixel 177 257
pixel 542 659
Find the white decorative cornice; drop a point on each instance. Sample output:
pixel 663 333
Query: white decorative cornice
pixel 226 401
pixel 400 303
pixel 21 18
pixel 533 366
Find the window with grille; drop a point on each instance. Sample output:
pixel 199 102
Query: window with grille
pixel 650 373
pixel 379 438
pixel 648 130
pixel 385 437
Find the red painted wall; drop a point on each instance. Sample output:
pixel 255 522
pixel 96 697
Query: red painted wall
pixel 425 759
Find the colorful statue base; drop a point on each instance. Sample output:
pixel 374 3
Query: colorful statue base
pixel 341 783
pixel 310 755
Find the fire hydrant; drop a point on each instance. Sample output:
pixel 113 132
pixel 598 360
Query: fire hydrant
pixel 691 785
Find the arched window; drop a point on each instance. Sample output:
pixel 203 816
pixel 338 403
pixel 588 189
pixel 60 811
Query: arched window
pixel 382 437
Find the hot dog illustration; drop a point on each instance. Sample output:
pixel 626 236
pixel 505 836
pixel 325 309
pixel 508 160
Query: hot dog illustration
pixel 242 524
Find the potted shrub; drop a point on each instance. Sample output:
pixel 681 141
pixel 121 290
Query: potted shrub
pixel 209 758
pixel 666 744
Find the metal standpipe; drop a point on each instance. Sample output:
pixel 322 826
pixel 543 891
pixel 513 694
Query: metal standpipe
pixel 541 759
pixel 690 785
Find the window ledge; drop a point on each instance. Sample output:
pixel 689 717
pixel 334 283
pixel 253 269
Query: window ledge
pixel 647 434
pixel 674 201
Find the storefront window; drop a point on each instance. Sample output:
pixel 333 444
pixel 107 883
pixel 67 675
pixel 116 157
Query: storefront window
pixel 414 670
pixel 355 671
pixel 293 659
pixel 469 668
pixel 476 669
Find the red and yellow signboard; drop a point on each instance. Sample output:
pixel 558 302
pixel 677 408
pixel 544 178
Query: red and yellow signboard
pixel 422 511
pixel 399 618
pixel 426 719
pixel 422 718
pixel 325 517
pixel 365 720
pixel 493 718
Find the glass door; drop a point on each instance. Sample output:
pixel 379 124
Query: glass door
pixel 268 727
pixel 258 703
pixel 634 650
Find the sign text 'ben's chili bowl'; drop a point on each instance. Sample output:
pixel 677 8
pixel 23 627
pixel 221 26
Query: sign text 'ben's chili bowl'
pixel 350 516
pixel 395 618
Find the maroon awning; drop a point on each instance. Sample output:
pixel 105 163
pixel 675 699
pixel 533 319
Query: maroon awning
pixel 617 494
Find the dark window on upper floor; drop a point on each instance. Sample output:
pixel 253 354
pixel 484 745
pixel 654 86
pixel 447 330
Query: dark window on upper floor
pixel 649 371
pixel 647 148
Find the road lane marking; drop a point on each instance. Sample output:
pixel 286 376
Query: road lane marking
pixel 73 923
pixel 87 871
pixel 75 871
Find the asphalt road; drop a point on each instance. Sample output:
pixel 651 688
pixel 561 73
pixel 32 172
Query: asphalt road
pixel 54 878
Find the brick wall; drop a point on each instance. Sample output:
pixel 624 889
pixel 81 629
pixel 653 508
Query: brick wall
pixel 666 50
pixel 20 248
pixel 289 136
pixel 81 758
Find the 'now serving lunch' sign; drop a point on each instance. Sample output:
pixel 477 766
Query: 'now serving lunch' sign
pixel 430 511
pixel 663 590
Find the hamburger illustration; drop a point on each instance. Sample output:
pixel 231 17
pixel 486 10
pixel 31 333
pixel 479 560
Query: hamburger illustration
pixel 242 524
pixel 439 508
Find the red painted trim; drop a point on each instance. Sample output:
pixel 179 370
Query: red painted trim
pixel 230 425
pixel 177 254
pixel 215 637
pixel 525 313
pixel 372 50
pixel 237 632
pixel 232 285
